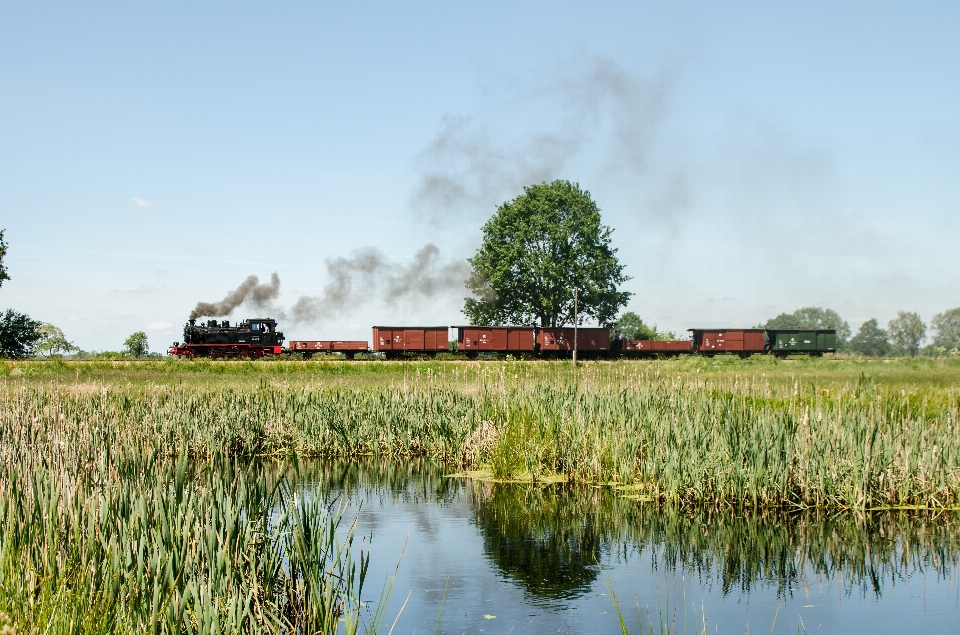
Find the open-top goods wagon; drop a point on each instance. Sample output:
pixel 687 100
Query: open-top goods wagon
pixel 393 340
pixel 495 339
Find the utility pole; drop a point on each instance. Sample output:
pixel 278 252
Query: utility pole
pixel 576 291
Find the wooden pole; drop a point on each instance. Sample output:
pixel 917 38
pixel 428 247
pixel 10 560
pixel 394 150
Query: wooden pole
pixel 576 291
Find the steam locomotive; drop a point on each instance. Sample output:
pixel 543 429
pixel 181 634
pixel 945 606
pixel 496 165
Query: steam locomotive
pixel 256 338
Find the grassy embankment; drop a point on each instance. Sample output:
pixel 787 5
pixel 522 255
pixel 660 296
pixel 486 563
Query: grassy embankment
pixel 131 497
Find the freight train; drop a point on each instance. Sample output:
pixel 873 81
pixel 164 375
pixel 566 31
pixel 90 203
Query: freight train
pixel 256 338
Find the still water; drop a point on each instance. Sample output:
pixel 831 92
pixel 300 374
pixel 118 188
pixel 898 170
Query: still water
pixel 543 559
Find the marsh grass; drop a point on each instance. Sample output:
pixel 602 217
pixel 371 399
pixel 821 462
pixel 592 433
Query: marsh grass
pixel 137 496
pixel 101 534
pixel 734 439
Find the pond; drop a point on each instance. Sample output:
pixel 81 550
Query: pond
pixel 521 558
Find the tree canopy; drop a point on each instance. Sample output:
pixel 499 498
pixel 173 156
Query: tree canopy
pixel 18 335
pixel 870 340
pixel 536 249
pixel 907 330
pixel 947 326
pixel 136 345
pixel 53 342
pixel 812 317
pixel 3 252
pixel 631 327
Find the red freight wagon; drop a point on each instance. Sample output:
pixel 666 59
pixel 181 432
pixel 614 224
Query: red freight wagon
pixel 561 339
pixel 667 347
pixel 410 339
pixel 500 339
pixel 741 341
pixel 309 347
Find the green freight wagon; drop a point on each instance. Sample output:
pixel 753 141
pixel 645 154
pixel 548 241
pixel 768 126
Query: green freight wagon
pixel 814 342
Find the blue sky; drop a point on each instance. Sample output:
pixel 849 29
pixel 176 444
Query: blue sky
pixel 753 158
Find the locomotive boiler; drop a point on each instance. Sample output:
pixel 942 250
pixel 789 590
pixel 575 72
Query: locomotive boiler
pixel 254 338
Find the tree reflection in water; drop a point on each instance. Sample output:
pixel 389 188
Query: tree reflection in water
pixel 549 538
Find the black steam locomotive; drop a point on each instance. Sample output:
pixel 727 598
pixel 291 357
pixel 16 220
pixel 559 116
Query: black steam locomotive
pixel 250 338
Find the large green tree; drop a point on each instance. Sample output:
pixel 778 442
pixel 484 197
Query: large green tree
pixel 870 340
pixel 536 249
pixel 907 330
pixel 813 317
pixel 947 326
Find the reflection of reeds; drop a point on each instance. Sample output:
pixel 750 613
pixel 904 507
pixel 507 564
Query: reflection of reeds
pixel 573 526
pixel 548 537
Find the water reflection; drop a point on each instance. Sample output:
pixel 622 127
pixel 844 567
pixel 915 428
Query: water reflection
pixel 549 539
pixel 541 538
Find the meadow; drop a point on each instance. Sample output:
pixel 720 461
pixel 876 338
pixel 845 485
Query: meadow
pixel 159 495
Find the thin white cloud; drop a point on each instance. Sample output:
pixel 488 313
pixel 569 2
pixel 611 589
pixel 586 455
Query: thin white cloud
pixel 141 203
pixel 158 326
pixel 74 318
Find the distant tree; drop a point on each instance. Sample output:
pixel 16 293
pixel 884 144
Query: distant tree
pixel 536 249
pixel 870 340
pixel 907 330
pixel 136 345
pixel 947 327
pixel 812 317
pixel 3 252
pixel 53 342
pixel 18 335
pixel 632 327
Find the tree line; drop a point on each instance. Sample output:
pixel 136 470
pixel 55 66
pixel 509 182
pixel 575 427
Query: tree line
pixel 903 336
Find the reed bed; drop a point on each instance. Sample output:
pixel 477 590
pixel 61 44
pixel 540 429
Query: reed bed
pixel 102 534
pixel 731 441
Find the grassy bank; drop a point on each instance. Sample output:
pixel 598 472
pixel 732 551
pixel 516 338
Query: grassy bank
pixel 757 433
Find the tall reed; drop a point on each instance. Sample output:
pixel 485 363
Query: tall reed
pixel 737 441
pixel 99 533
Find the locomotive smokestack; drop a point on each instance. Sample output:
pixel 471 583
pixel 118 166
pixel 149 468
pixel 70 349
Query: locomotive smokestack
pixel 250 289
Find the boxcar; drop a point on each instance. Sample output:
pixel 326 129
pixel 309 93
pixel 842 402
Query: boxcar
pixel 428 340
pixel 743 342
pixel 499 339
pixel 590 340
pixel 814 342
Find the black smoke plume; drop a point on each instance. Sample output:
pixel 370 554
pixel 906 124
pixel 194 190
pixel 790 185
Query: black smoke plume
pixel 603 107
pixel 370 274
pixel 251 290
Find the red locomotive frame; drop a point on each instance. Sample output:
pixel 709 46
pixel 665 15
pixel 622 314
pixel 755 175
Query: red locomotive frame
pixel 215 351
